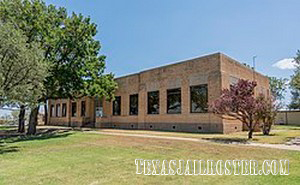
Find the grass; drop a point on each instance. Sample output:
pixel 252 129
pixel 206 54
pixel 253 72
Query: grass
pixel 279 134
pixel 74 157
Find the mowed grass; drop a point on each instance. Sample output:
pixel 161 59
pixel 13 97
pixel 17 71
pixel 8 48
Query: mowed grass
pixel 279 134
pixel 85 158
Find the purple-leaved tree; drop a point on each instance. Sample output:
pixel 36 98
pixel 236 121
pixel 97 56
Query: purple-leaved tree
pixel 238 102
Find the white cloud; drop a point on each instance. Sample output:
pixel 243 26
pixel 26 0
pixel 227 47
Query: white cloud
pixel 287 63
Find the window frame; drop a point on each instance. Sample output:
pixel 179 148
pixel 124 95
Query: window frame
pixel 57 110
pixel 168 90
pixel 148 105
pixel 83 108
pixel 191 101
pixel 74 113
pixel 131 96
pixel 120 104
pixel 64 113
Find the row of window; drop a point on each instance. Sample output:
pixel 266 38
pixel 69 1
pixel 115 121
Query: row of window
pixel 62 112
pixel 198 98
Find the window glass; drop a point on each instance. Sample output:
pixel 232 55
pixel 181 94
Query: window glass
pixel 74 109
pixel 174 101
pixel 83 108
pixel 134 104
pixel 117 106
pixel 58 110
pixel 64 110
pixel 153 102
pixel 199 98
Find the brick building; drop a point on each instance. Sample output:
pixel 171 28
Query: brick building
pixel 174 97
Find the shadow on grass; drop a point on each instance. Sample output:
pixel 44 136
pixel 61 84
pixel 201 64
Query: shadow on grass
pixel 225 140
pixel 42 134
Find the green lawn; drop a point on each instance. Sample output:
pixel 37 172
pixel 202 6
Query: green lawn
pixel 84 158
pixel 280 134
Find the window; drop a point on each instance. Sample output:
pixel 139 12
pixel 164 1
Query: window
pixel 83 108
pixel 199 98
pixel 134 104
pixel 57 110
pixel 74 109
pixel 64 110
pixel 52 111
pixel 99 107
pixel 117 106
pixel 153 102
pixel 174 101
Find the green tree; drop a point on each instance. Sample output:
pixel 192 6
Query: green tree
pixel 22 69
pixel 278 87
pixel 77 68
pixel 295 84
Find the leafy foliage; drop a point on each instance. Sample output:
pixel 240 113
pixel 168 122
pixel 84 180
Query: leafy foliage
pixel 295 84
pixel 278 88
pixel 22 68
pixel 239 103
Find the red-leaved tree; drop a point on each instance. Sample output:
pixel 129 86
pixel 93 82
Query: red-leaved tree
pixel 238 102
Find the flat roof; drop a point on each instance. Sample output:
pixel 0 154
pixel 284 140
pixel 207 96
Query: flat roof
pixel 184 61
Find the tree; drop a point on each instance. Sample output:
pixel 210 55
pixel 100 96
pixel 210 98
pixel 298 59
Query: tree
pixel 278 88
pixel 266 112
pixel 295 84
pixel 77 68
pixel 238 102
pixel 22 70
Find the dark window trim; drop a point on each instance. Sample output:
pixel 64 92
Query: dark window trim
pixel 62 112
pixel 191 109
pixel 137 104
pixel 72 115
pixel 57 112
pixel 113 108
pixel 148 113
pixel 82 112
pixel 180 100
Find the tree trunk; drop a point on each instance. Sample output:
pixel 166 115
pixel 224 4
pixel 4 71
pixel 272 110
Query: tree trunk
pixel 21 127
pixel 33 120
pixel 46 112
pixel 250 133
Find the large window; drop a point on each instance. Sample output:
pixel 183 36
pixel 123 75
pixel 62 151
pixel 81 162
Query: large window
pixel 58 110
pixel 174 101
pixel 153 102
pixel 64 110
pixel 52 111
pixel 74 109
pixel 134 104
pixel 117 106
pixel 83 108
pixel 199 98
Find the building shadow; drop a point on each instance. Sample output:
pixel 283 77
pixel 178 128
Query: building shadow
pixel 225 140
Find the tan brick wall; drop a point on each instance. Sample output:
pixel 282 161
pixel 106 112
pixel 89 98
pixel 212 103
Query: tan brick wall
pixel 214 70
pixel 288 118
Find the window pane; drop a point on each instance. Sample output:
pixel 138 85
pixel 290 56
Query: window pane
pixel 57 110
pixel 83 108
pixel 52 111
pixel 74 109
pixel 99 107
pixel 134 104
pixel 174 101
pixel 153 102
pixel 64 110
pixel 199 98
pixel 117 106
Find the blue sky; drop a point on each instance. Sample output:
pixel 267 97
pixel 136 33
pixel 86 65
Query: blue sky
pixel 140 34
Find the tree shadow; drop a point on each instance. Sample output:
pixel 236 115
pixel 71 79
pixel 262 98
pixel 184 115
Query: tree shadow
pixel 225 140
pixel 42 134
pixel 8 149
